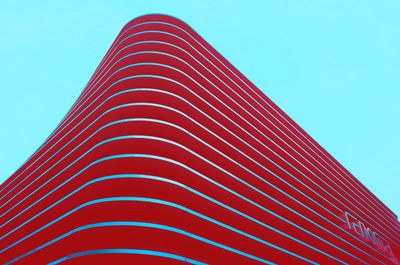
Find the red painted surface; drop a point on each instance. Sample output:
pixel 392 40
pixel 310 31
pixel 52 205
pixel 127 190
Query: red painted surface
pixel 170 135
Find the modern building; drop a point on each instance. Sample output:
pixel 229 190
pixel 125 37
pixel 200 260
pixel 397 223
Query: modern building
pixel 171 156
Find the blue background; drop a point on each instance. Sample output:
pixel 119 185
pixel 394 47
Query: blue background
pixel 333 66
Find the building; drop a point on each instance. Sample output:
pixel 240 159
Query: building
pixel 171 156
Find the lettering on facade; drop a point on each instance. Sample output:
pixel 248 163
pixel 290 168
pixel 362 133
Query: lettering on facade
pixel 367 234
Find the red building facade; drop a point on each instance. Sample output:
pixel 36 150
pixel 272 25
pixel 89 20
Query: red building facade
pixel 171 156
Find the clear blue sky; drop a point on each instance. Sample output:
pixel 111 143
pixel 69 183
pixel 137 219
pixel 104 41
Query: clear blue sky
pixel 333 66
